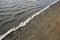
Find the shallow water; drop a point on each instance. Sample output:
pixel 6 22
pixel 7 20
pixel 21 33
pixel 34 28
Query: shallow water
pixel 13 12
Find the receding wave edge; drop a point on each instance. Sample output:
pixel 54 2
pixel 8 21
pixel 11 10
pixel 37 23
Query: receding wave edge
pixel 26 21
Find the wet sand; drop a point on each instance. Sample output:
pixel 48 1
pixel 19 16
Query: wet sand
pixel 45 26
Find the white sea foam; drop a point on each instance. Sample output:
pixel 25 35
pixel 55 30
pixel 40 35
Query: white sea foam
pixel 25 22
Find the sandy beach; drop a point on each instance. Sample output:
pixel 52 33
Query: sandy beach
pixel 45 26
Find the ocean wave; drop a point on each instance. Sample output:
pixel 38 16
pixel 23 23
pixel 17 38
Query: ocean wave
pixel 25 22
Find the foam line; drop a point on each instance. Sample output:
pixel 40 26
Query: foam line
pixel 25 22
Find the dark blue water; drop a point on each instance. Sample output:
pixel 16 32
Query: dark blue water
pixel 13 12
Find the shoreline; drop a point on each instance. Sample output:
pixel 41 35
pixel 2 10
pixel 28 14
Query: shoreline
pixel 18 27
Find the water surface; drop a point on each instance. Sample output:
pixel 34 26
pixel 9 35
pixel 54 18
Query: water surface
pixel 13 12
